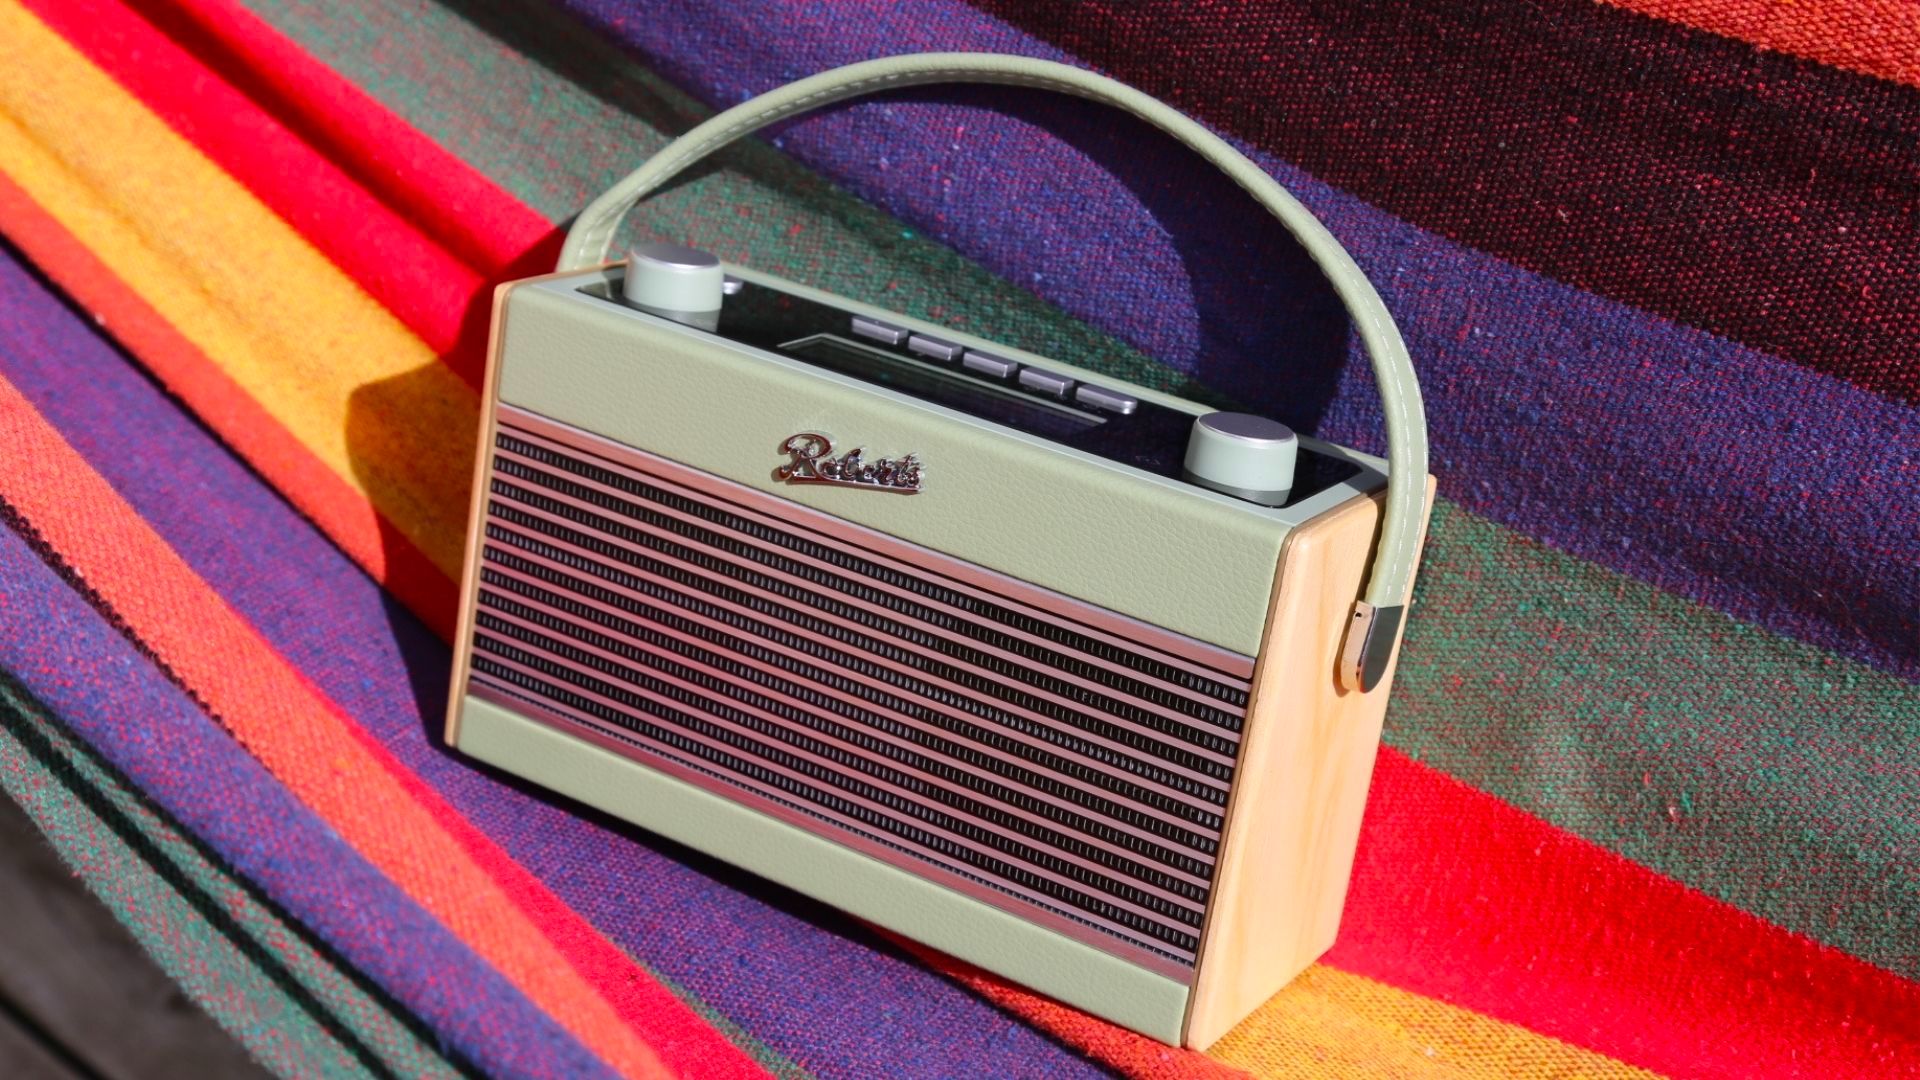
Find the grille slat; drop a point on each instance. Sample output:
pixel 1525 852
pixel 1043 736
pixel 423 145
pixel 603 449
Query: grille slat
pixel 1118 828
pixel 1074 767
pixel 1210 750
pixel 1010 740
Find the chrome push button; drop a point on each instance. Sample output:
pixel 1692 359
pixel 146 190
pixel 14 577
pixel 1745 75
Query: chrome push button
pixel 1099 397
pixel 994 367
pixel 1051 383
pixel 874 330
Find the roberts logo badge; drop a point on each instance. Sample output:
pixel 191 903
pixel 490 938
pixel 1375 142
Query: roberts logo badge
pixel 809 464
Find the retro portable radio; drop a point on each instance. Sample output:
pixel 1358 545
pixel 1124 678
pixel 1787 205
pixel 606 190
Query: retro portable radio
pixel 1076 681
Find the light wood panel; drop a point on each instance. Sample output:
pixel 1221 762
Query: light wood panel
pixel 1305 762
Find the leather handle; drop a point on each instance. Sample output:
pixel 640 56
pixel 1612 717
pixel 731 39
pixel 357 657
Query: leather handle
pixel 1376 619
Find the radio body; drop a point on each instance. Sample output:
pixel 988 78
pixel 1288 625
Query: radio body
pixel 1056 674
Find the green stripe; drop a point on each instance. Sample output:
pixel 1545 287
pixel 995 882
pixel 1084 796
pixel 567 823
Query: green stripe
pixel 1751 767
pixel 769 1058
pixel 1761 770
pixel 250 968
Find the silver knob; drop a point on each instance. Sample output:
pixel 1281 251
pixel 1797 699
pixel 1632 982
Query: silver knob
pixel 1246 456
pixel 682 283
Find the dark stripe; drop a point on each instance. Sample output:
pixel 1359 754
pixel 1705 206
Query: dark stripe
pixel 1771 200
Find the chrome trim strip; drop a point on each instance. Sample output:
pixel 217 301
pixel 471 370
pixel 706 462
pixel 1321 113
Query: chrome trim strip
pixel 1124 630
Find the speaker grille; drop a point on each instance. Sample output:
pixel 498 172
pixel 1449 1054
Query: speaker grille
pixel 1049 757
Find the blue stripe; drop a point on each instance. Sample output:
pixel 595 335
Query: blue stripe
pixel 107 694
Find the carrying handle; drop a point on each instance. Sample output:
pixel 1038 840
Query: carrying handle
pixel 1375 620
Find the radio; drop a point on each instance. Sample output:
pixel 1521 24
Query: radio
pixel 1077 681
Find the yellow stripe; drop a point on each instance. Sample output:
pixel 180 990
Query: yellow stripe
pixel 1332 1024
pixel 321 356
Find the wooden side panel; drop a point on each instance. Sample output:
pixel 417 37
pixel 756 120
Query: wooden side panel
pixel 1306 760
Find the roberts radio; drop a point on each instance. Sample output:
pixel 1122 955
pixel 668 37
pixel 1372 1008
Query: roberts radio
pixel 1076 681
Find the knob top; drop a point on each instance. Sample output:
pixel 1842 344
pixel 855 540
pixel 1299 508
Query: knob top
pixel 673 278
pixel 1246 427
pixel 1246 456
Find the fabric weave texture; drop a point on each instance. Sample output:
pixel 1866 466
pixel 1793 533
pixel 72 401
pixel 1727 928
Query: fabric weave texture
pixel 1646 803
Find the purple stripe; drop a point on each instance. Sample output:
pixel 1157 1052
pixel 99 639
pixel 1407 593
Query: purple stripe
pixel 93 680
pixel 1728 476
pixel 811 984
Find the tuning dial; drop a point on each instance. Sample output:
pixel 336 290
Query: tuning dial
pixel 681 283
pixel 1246 456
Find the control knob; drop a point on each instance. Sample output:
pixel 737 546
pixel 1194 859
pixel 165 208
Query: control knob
pixel 681 283
pixel 1246 456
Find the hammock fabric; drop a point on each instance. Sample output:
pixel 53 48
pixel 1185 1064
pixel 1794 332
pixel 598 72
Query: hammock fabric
pixel 1647 803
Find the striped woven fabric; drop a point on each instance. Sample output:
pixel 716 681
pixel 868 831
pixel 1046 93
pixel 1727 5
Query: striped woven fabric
pixel 1648 803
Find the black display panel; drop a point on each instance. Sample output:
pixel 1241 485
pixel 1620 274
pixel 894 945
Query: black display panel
pixel 952 388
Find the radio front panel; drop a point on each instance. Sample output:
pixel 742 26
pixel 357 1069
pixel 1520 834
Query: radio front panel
pixel 1052 759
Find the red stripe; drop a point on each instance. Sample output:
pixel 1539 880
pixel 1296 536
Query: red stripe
pixel 350 201
pixel 1461 897
pixel 449 200
pixel 305 480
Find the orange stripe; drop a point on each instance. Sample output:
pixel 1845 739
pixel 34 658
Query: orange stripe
pixel 187 372
pixel 1326 1023
pixel 289 725
pixel 1873 37
pixel 282 323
